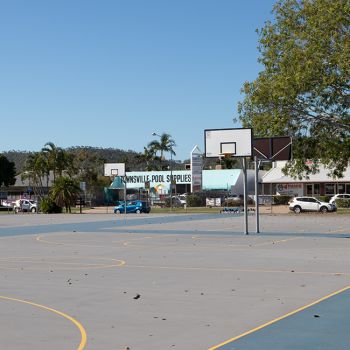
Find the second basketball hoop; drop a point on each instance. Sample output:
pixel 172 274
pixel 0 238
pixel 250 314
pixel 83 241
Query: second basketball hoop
pixel 231 143
pixel 225 143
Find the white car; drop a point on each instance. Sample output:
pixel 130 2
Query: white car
pixel 7 204
pixel 183 199
pixel 179 201
pixel 299 204
pixel 339 196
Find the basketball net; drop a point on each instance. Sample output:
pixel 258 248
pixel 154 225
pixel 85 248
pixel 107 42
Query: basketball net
pixel 226 155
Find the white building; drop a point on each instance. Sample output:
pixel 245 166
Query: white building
pixel 319 184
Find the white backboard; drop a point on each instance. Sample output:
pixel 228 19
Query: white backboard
pixel 237 142
pixel 114 169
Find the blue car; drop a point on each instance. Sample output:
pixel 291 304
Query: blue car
pixel 132 207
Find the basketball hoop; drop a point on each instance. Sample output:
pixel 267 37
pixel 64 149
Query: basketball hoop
pixel 114 169
pixel 226 155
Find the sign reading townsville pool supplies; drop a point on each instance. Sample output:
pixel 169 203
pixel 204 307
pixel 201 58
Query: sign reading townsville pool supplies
pixel 137 179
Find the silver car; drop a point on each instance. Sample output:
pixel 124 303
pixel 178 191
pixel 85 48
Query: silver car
pixel 25 205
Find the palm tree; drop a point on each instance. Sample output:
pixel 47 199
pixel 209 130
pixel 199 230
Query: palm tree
pixel 64 192
pixel 149 157
pixel 35 169
pixel 56 158
pixel 165 144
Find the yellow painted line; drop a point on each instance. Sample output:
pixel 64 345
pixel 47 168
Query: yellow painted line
pixel 279 318
pixel 340 230
pixel 265 243
pixel 278 241
pixel 54 263
pixel 223 269
pixel 69 318
pixel 241 246
pixel 123 242
pixel 42 240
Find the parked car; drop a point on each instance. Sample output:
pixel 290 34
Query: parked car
pixel 7 204
pixel 234 198
pixel 339 196
pixel 132 207
pixel 299 204
pixel 178 201
pixel 183 199
pixel 25 205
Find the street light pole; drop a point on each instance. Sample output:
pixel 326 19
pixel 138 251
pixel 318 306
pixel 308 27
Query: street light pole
pixel 171 178
pixel 171 170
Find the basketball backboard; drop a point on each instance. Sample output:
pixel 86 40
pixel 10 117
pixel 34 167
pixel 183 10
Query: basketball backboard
pixel 232 142
pixel 114 169
pixel 273 148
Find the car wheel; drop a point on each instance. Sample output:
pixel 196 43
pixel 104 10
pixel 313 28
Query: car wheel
pixel 117 211
pixel 138 211
pixel 323 209
pixel 16 210
pixel 33 210
pixel 297 209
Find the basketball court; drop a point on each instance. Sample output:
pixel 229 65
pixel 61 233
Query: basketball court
pixel 172 281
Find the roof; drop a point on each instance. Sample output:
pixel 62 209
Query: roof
pixel 275 175
pixel 28 183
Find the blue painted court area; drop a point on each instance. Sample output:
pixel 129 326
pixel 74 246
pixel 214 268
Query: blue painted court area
pixel 324 326
pixel 100 226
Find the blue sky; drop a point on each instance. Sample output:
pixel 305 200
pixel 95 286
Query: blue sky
pixel 108 73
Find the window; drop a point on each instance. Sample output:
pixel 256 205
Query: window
pixel 347 186
pixel 309 190
pixel 341 188
pixel 329 188
pixel 316 189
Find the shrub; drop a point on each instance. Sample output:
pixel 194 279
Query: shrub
pixel 194 200
pixel 232 203
pixel 342 203
pixel 48 206
pixel 324 198
pixel 175 202
pixel 281 200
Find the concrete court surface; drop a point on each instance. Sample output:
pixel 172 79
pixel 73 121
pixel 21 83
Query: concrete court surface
pixel 154 282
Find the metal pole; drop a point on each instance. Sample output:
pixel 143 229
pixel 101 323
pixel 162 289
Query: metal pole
pixel 245 197
pixel 271 198
pixel 257 193
pixel 125 197
pixel 171 179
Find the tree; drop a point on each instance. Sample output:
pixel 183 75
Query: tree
pixel 149 158
pixel 36 169
pixel 57 158
pixel 64 192
pixel 228 163
pixel 165 144
pixel 303 90
pixel 7 172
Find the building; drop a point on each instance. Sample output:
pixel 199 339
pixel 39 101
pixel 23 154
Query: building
pixel 272 182
pixel 230 180
pixel 319 184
